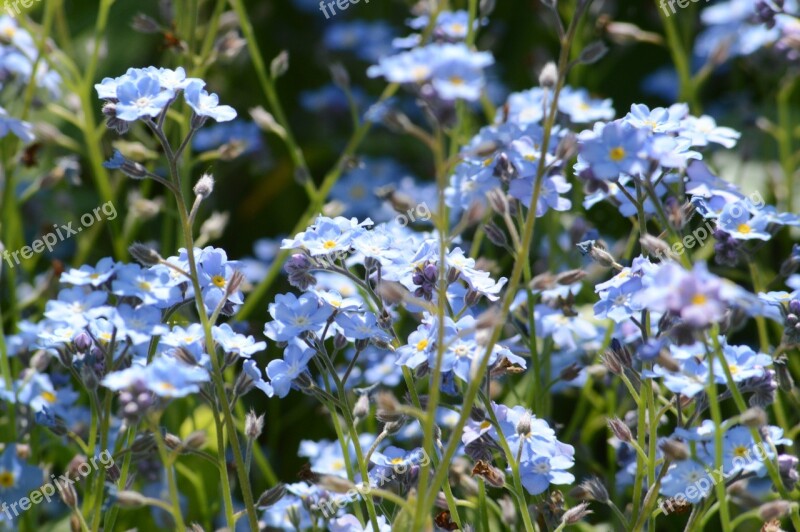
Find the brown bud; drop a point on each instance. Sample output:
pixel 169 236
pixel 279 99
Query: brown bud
pixel 492 475
pixel 620 429
pixel 675 450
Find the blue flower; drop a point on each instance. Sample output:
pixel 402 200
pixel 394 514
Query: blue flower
pixel 547 466
pixel 361 326
pixel 254 372
pixel 737 220
pixel 658 120
pixel 165 377
pixel 704 130
pixel 282 373
pixel 214 273
pixel 207 105
pixel 17 478
pixel 612 150
pixel 141 98
pixel 618 302
pixel 94 276
pixel 8 124
pixel 293 315
pixel 232 342
pixel 682 476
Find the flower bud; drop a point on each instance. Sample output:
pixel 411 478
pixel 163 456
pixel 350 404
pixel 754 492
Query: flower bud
pixel 524 424
pixel 195 440
pixel 279 65
pixel 754 417
pixel 204 186
pixel 492 475
pixel 675 450
pixel 144 255
pixel 548 77
pixel 591 489
pixel 593 53
pixel 620 429
pixel 67 492
pixel 774 510
pixel 253 425
pixel 130 499
pixel 495 235
pixel 271 496
pixel 361 408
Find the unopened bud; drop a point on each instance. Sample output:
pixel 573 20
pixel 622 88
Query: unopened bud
pixel 271 496
pixel 495 235
pixel 593 53
pixel 570 277
pixel 620 429
pixel 656 247
pixel 774 510
pixel 591 489
pixel 130 499
pixel 68 493
pixel 754 417
pixel 361 408
pixel 195 440
pixel 675 450
pixel 524 424
pixel 173 442
pixel 576 514
pixel 279 65
pixel 266 121
pixel 492 475
pixel 253 425
pixel 144 24
pixel 204 186
pixel 548 76
pixel 144 255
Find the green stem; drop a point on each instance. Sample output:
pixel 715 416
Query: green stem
pixel 516 274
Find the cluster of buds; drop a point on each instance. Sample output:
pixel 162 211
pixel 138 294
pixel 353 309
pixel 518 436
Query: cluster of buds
pixel 792 322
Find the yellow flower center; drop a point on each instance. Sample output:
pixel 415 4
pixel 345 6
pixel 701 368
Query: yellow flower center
pixel 397 460
pixel 617 154
pixel 740 451
pixel 734 369
pixel 358 192
pixel 10 31
pixel 744 228
pixel 166 386
pixel 6 479
pixel 699 299
pixel 218 280
pixel 420 72
pixel 144 285
pixel 50 397
pixel 486 424
pixel 456 80
pixel 422 344
pixel 457 28
pixel 329 244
